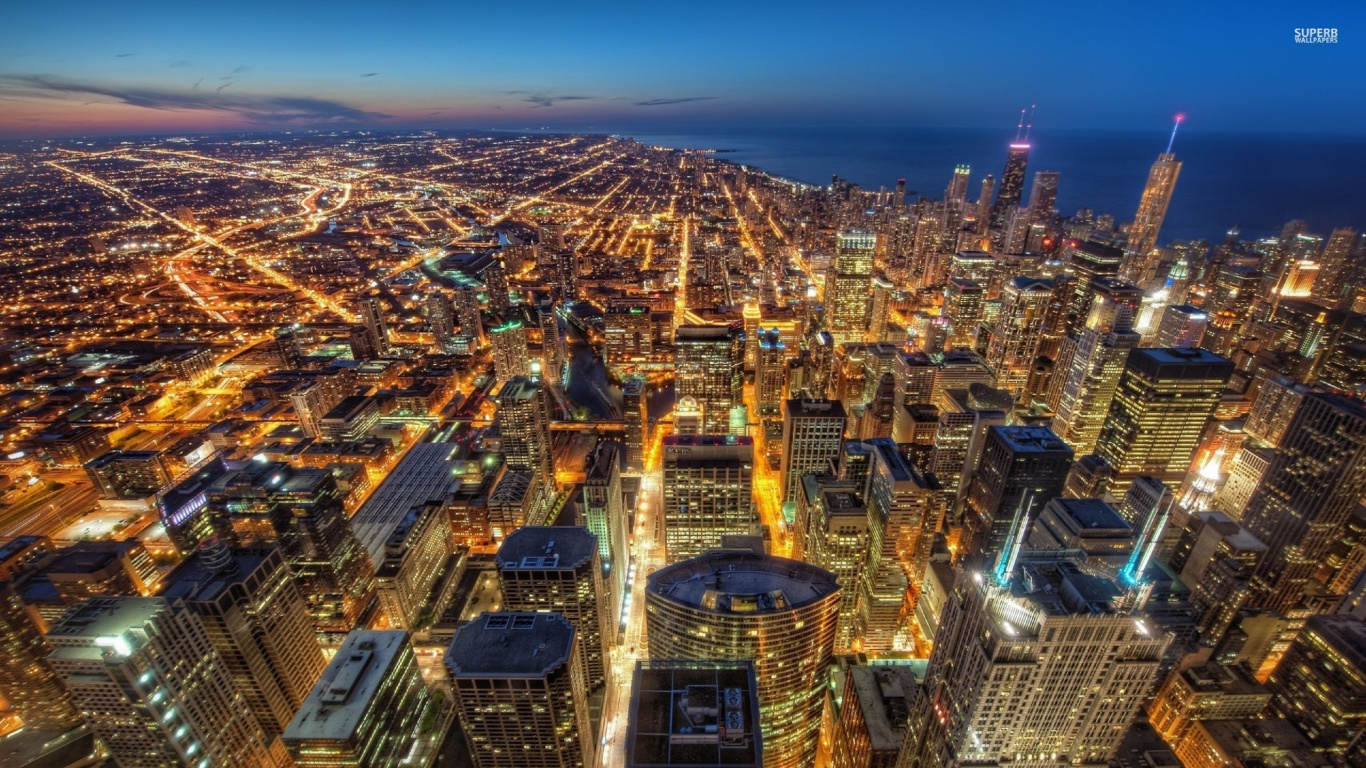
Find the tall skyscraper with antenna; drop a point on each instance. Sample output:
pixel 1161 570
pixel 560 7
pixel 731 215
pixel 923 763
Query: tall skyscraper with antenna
pixel 1139 254
pixel 1013 177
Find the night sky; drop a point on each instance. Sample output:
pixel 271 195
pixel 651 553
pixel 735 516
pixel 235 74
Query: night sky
pixel 69 68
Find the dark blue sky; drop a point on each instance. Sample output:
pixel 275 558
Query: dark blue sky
pixel 91 67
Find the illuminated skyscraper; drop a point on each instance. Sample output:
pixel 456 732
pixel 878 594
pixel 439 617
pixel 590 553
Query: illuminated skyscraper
pixel 371 311
pixel 366 707
pixel 1043 196
pixel 510 357
pixel 1091 364
pixel 1044 663
pixel 813 431
pixel 770 374
pixel 831 532
pixel 708 492
pixel 1181 326
pixel 709 366
pixel 963 308
pixel 153 688
pixel 1161 404
pixel 466 305
pixel 521 692
pixel 441 319
pixel 634 411
pixel 27 682
pixel 1321 681
pixel 250 605
pixel 524 418
pixel 984 202
pixel 556 569
pixel 496 282
pixel 1307 493
pixel 780 613
pixel 1012 183
pixel 1140 252
pixel 965 415
pixel 848 286
pixel 872 716
pixel 1026 311
pixel 552 341
pixel 905 510
pixel 1332 288
pixel 958 185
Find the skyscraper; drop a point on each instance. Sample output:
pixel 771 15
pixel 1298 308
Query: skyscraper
pixel 633 408
pixel 1161 404
pixel 153 688
pixel 552 341
pixel 813 431
pixel 27 681
pixel 1181 326
pixel 604 513
pixel 466 305
pixel 556 569
pixel 1307 493
pixel 371 311
pixel 1043 196
pixel 365 708
pixel 1332 288
pixel 1139 253
pixel 964 417
pixel 708 492
pixel 1318 685
pixel 709 366
pixel 1017 463
pixel 780 613
pixel 694 713
pixel 250 605
pixel 524 418
pixel 848 286
pixel 510 357
pixel 1043 663
pixel 1091 364
pixel 1012 183
pixel 770 373
pixel 441 319
pixel 958 184
pixel 1026 313
pixel 963 308
pixel 521 692
pixel 831 531
pixel 905 510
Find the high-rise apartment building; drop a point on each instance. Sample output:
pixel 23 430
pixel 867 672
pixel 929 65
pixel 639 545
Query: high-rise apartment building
pixel 1161 404
pixel 466 305
pixel 553 352
pixel 965 415
pixel 831 532
pixel 249 602
pixel 963 309
pixel 604 513
pixel 1307 493
pixel 557 569
pixel 709 366
pixel 848 286
pixel 371 311
pixel 414 558
pixel 777 612
pixel 524 418
pixel 151 685
pixel 708 492
pixel 510 356
pixel 365 708
pixel 441 320
pixel 1043 196
pixel 813 431
pixel 634 409
pixel 521 691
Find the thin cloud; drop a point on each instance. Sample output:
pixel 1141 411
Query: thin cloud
pixel 122 55
pixel 663 102
pixel 196 84
pixel 539 99
pixel 180 64
pixel 220 88
pixel 265 110
pixel 369 74
pixel 240 68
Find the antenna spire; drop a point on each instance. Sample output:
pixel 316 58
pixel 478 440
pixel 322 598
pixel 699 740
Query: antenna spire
pixel 1029 124
pixel 1020 127
pixel 1005 563
pixel 1172 140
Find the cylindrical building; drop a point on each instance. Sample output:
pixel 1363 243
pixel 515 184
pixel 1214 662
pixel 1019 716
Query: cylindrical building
pixel 779 613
